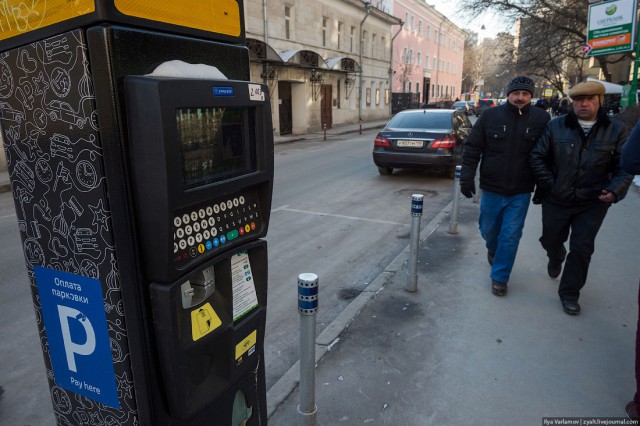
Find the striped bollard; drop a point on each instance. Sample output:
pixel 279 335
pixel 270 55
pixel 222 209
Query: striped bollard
pixel 307 307
pixel 412 267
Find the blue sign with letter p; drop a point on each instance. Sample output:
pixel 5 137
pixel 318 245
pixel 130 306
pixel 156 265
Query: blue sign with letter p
pixel 76 326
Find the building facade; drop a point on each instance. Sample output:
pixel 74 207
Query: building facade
pixel 326 62
pixel 428 53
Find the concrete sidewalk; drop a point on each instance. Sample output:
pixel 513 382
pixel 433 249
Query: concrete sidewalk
pixel 454 354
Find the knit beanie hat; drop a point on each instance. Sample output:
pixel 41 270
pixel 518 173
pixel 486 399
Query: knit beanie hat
pixel 521 83
pixel 588 88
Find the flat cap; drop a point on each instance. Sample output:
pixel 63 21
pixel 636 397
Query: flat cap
pixel 587 88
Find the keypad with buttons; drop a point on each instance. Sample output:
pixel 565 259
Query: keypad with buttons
pixel 209 227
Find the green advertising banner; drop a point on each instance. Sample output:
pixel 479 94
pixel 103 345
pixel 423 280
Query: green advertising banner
pixel 611 27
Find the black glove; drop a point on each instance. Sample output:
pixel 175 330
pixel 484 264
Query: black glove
pixel 468 188
pixel 538 195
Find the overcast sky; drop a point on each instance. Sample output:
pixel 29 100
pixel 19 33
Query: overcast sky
pixel 492 24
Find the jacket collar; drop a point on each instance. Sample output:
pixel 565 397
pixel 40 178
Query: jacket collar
pixel 602 119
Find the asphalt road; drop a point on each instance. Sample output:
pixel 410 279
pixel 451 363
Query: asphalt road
pixel 332 214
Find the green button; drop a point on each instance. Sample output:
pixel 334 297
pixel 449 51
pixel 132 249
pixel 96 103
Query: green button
pixel 232 235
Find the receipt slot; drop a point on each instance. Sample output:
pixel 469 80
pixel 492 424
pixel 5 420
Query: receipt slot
pixel 140 159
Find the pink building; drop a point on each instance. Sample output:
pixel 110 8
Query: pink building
pixel 427 54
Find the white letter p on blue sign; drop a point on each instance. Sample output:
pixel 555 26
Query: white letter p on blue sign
pixel 72 348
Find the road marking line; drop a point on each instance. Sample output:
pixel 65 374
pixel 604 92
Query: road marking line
pixel 388 222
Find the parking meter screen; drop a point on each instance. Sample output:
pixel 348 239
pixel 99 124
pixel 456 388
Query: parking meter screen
pixel 214 144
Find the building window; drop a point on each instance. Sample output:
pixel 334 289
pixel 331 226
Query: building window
pixel 377 96
pixel 419 59
pixel 406 20
pixel 352 35
pixel 409 91
pixel 405 55
pixel 338 93
pixel 412 27
pixel 368 99
pixel 339 34
pixel 363 42
pixel 324 32
pixel 386 96
pixel 383 46
pixel 373 45
pixel 411 56
pixel 420 28
pixel 426 62
pixel 287 22
pixel 417 87
pixel 429 32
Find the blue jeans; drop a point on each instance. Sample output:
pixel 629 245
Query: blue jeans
pixel 501 222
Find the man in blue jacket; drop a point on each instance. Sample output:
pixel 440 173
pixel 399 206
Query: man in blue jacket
pixel 577 163
pixel 503 137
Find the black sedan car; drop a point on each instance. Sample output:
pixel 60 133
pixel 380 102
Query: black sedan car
pixel 422 139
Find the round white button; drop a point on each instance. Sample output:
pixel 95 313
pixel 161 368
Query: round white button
pixel 203 224
pixel 194 216
pixel 229 204
pixel 209 211
pixel 212 221
pixel 180 232
pixel 199 238
pixel 177 221
pixel 201 213
pixel 206 235
pixel 214 232
pixel 191 241
pixel 241 199
pixel 188 230
pixel 175 247
pixel 223 206
pixel 182 244
pixel 196 227
pixel 185 218
pixel 235 202
pixel 216 209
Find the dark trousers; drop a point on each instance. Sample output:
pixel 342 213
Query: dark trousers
pixel 583 221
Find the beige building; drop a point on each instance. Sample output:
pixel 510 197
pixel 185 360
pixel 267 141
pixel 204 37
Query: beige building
pixel 319 73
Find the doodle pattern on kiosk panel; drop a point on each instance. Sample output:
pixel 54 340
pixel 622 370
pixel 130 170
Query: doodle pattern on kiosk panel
pixel 49 126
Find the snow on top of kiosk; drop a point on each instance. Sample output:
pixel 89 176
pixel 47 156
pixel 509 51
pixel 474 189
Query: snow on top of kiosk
pixel 177 68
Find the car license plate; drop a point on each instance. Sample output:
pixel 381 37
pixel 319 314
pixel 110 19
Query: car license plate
pixel 410 144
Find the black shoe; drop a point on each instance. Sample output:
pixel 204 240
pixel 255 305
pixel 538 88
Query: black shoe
pixel 498 288
pixel 490 256
pixel 570 308
pixel 554 267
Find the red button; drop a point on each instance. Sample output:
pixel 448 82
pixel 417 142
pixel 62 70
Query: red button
pixel 241 231
pixel 253 226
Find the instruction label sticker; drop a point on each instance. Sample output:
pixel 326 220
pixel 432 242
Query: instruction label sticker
pixel 244 289
pixel 246 345
pixel 256 93
pixel 78 336
pixel 203 321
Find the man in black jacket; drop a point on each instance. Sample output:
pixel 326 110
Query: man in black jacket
pixel 503 137
pixel 577 163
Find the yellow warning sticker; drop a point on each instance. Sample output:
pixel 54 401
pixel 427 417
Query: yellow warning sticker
pixel 249 343
pixel 203 321
pixel 218 16
pixel 22 16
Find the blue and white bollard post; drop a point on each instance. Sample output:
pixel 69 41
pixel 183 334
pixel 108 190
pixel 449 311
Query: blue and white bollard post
pixel 412 267
pixel 307 307
pixel 453 225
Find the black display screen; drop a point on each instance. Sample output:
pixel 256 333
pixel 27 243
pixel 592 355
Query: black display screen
pixel 214 144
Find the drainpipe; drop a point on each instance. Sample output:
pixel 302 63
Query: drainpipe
pixel 266 21
pixel 391 70
pixel 367 7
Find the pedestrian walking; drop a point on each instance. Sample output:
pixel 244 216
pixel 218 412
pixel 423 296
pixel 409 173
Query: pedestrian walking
pixel 564 106
pixel 576 162
pixel 500 141
pixel 630 163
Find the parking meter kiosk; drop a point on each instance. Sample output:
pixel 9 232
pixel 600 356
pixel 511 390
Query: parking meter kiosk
pixel 142 201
